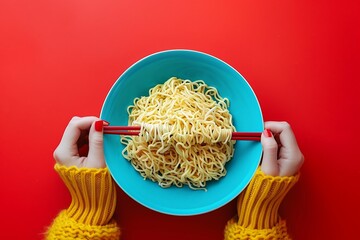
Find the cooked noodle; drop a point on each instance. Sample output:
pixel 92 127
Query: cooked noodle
pixel 185 135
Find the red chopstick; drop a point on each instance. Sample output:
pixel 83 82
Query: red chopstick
pixel 250 136
pixel 135 130
pixel 122 130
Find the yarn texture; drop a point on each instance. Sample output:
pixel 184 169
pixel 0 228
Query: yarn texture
pixel 93 193
pixel 257 209
pixel 93 204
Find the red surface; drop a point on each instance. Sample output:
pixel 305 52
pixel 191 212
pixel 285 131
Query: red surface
pixel 60 58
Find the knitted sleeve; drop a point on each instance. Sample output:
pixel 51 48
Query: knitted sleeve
pixel 89 215
pixel 257 209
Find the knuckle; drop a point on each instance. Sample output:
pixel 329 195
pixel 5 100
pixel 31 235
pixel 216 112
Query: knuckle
pixel 74 119
pixel 97 141
pixel 56 154
pixel 60 156
pixel 301 159
pixel 272 146
pixel 285 125
pixel 298 160
pixel 73 122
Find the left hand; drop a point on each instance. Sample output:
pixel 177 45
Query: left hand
pixel 81 132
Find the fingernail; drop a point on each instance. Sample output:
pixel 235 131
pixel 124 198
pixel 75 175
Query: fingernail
pixel 99 125
pixel 267 133
pixel 106 123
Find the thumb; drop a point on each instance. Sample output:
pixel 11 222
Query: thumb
pixel 269 163
pixel 96 157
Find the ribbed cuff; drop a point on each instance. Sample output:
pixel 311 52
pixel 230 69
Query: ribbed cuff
pixel 93 194
pixel 258 205
pixel 65 228
pixel 233 231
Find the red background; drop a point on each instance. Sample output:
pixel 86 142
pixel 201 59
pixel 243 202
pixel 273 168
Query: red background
pixel 59 59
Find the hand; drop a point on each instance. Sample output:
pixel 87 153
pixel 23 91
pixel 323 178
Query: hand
pixel 282 156
pixel 80 133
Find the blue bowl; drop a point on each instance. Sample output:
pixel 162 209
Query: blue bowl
pixel 244 106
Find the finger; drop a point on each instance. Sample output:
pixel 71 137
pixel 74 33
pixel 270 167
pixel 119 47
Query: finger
pixel 269 163
pixel 285 134
pixel 67 147
pixel 73 130
pixel 96 149
pixel 290 156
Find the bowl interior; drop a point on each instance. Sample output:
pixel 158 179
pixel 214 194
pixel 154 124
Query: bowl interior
pixel 186 64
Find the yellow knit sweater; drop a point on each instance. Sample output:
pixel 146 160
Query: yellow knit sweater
pixel 257 209
pixel 93 193
pixel 89 215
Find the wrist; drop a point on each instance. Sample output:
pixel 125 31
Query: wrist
pixel 258 205
pixel 93 194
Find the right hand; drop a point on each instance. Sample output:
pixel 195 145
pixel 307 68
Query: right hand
pixel 281 156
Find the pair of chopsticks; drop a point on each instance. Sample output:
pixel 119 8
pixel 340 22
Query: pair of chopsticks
pixel 135 130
